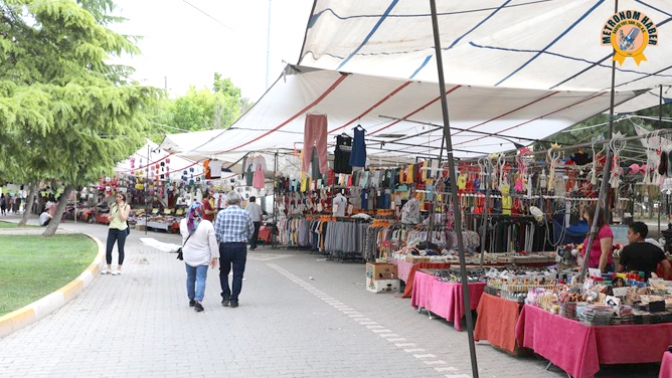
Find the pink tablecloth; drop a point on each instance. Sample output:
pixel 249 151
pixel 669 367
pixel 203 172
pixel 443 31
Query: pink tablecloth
pixel 403 268
pixel 580 349
pixel 666 366
pixel 444 299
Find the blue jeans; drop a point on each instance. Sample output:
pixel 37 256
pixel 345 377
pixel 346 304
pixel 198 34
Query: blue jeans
pixel 118 236
pixel 232 254
pixel 196 276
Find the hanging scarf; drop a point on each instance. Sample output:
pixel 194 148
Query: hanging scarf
pixel 194 216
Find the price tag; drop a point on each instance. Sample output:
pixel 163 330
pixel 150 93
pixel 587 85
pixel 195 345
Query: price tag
pixel 155 211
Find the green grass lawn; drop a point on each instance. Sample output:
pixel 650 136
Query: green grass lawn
pixel 4 224
pixel 32 267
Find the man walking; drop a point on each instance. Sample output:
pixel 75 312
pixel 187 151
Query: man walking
pixel 233 228
pixel 257 215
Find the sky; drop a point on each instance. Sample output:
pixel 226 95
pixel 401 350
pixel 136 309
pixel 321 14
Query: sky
pixel 184 47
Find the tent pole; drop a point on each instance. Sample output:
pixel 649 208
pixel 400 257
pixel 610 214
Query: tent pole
pixel 660 123
pixel 147 191
pixel 275 176
pixel 430 232
pixel 453 190
pixel 604 187
pixel 486 212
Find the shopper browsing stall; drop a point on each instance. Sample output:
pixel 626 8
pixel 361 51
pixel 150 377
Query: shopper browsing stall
pixel 257 215
pixel 602 248
pixel 209 211
pixel 641 256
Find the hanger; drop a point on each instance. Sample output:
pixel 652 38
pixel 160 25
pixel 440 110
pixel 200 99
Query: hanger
pixel 359 127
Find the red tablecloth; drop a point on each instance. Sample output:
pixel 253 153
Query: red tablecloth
pixel 496 322
pixel 666 366
pixel 580 349
pixel 444 298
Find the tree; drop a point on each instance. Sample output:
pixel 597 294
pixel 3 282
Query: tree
pixel 66 115
pixel 201 109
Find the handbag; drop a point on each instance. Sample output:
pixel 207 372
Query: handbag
pixel 179 251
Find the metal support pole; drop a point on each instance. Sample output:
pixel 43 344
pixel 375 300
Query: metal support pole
pixel 268 43
pixel 486 211
pixel 147 191
pixel 275 174
pixel 604 187
pixel 453 191
pixel 660 123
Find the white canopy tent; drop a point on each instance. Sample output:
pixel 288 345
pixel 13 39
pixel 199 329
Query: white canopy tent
pixel 277 120
pixel 516 71
pixel 177 164
pixel 546 45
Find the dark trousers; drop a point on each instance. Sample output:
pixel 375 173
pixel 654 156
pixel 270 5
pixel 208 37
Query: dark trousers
pixel 232 255
pixel 255 235
pixel 118 236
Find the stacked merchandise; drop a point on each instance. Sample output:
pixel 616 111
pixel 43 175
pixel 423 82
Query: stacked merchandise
pixel 454 275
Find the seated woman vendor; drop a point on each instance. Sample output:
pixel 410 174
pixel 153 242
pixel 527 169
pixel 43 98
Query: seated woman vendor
pixel 601 252
pixel 641 256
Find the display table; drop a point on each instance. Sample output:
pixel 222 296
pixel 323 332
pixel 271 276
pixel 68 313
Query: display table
pixel 444 299
pixel 666 366
pixel 406 272
pixel 496 322
pixel 579 349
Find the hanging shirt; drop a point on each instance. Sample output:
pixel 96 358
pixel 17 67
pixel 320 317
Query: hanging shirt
pixel 342 154
pixel 410 213
pixel 259 170
pixel 358 154
pixel 338 205
pixel 215 169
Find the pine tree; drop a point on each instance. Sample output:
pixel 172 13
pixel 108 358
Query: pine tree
pixel 66 114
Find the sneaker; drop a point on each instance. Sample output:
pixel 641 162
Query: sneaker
pixel 116 273
pixel 198 307
pixel 226 302
pixel 105 271
pixel 234 304
pixel 192 303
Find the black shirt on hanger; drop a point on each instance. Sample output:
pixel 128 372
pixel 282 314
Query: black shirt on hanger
pixel 342 154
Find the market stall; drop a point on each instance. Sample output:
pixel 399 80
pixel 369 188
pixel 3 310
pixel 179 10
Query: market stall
pixel 435 293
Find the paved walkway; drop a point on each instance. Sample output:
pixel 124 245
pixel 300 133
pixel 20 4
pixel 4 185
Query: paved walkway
pixel 299 316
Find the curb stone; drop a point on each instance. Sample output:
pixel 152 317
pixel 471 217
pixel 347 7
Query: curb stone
pixel 37 310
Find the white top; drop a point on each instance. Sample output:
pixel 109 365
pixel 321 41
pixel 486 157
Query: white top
pixel 410 213
pixel 202 246
pixel 44 217
pixel 255 211
pixel 338 205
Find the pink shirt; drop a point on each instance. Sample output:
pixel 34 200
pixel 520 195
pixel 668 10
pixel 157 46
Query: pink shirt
pixel 596 250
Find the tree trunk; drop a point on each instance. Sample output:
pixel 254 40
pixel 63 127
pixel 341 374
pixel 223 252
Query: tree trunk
pixel 28 207
pixel 56 221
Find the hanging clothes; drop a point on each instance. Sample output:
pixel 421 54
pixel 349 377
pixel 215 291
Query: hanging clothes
pixel 342 154
pixel 315 134
pixel 215 169
pixel 358 154
pixel 259 169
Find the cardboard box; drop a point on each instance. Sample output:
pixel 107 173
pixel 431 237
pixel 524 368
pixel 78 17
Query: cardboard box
pixel 381 271
pixel 140 227
pixel 383 286
pixel 417 259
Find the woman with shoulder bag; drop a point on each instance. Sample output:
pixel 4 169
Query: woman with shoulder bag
pixel 199 248
pixel 117 232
